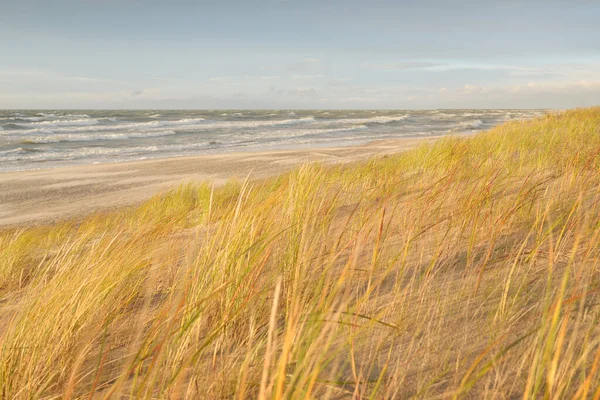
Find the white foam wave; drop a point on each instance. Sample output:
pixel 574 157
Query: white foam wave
pixel 254 124
pixel 183 121
pixel 91 138
pixel 299 132
pixel 335 130
pixel 18 150
pixel 476 123
pixel 107 140
pixel 474 114
pixel 373 120
pixel 60 122
pixel 442 115
pixel 186 124
pixel 49 128
pixel 303 140
pixel 98 153
pixel 51 155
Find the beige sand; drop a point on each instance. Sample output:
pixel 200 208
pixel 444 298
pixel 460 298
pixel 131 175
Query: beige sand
pixel 43 196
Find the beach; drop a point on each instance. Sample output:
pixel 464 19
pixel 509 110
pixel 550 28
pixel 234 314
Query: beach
pixel 300 200
pixel 49 195
pixel 56 164
pixel 394 269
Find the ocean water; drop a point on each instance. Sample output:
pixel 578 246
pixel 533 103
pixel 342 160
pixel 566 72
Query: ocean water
pixel 45 139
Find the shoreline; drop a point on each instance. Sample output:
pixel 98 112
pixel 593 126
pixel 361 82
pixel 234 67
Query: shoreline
pixel 44 196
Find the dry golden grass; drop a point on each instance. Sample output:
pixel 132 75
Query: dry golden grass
pixel 463 268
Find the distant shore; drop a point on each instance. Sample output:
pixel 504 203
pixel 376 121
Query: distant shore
pixel 44 196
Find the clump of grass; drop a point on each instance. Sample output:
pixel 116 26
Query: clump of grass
pixel 465 267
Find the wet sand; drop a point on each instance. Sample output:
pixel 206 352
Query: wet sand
pixel 45 196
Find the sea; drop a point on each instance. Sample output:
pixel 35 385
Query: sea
pixel 40 139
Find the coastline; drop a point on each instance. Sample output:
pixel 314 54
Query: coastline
pixel 452 253
pixel 48 195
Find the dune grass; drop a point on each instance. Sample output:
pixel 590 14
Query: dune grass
pixel 463 268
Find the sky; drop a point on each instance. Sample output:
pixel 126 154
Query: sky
pixel 315 54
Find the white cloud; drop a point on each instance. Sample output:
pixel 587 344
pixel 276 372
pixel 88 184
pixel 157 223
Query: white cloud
pixel 294 92
pixel 403 65
pixel 298 77
pixel 221 79
pixel 306 65
pixel 472 88
pixel 314 85
pixel 11 74
pixel 312 61
pixel 23 73
pixel 564 87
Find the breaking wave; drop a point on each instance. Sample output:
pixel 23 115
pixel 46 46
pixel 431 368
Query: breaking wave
pixel 30 139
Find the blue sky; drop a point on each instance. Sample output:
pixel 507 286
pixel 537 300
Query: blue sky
pixel 299 54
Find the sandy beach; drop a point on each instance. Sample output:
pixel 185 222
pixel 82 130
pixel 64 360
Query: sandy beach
pixel 44 196
pixel 299 199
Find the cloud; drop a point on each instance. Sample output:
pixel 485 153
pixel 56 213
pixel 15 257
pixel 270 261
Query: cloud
pixel 340 81
pixel 40 74
pixel 298 77
pixel 533 73
pixel 306 64
pixel 315 85
pixel 311 61
pixel 294 92
pixel 472 89
pixel 23 73
pixel 565 87
pixel 404 65
pixel 221 79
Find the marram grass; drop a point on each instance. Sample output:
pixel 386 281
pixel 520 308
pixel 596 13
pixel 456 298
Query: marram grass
pixel 462 268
